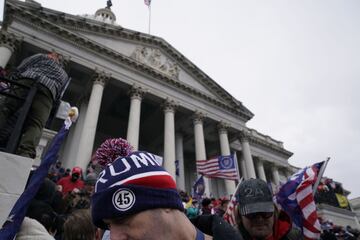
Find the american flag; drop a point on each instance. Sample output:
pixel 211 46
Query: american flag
pixel 296 198
pixel 147 2
pixel 229 215
pixel 219 167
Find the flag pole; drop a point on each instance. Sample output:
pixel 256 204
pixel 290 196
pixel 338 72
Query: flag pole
pixel 149 17
pixel 321 172
pixel 238 185
pixel 229 215
pixel 234 194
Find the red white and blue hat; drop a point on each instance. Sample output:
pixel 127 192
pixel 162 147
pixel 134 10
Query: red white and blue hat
pixel 131 185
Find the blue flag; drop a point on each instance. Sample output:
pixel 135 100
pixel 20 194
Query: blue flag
pixel 177 168
pixel 17 214
pixel 199 188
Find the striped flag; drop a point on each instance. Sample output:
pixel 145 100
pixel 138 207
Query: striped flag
pixel 147 2
pixel 219 167
pixel 229 215
pixel 296 198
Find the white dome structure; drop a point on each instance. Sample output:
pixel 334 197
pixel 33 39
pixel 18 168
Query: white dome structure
pixel 103 15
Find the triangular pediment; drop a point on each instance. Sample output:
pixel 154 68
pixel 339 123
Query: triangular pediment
pixel 133 48
pixel 153 57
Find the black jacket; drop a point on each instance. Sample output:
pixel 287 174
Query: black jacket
pixel 216 227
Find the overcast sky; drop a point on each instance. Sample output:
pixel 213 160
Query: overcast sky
pixel 294 64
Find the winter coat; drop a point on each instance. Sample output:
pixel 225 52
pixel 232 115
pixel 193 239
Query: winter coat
pixel 32 230
pixel 283 229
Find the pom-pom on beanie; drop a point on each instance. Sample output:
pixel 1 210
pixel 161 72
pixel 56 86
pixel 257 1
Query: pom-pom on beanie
pixel 112 149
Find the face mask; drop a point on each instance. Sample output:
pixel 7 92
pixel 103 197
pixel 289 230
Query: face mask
pixel 74 177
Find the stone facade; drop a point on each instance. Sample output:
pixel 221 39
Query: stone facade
pixel 355 205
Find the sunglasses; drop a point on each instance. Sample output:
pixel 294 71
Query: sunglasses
pixel 259 214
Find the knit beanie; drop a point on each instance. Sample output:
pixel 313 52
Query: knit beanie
pixel 131 185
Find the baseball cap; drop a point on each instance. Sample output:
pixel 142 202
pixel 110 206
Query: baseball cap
pixel 254 196
pixel 77 170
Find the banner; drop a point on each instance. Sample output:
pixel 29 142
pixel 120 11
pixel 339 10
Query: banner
pixel 219 167
pixel 199 188
pixel 342 200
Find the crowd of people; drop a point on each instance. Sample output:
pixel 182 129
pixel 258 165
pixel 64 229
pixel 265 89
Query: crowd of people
pixel 127 195
pixel 332 231
pixel 194 207
pixel 144 203
pixel 62 197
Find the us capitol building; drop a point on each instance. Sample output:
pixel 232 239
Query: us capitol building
pixel 138 86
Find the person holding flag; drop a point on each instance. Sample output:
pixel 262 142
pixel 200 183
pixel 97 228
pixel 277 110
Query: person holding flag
pixel 198 189
pixel 296 198
pixel 253 214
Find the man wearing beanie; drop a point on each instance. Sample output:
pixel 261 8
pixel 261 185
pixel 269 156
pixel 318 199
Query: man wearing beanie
pixel 137 199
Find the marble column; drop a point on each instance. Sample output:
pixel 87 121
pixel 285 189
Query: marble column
pixel 243 167
pixel 275 174
pixel 90 123
pixel 136 95
pixel 169 137
pixel 260 169
pixel 225 150
pixel 179 156
pixel 71 148
pixel 249 163
pixel 8 43
pixel 200 150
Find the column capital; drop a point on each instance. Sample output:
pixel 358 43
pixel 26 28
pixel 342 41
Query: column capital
pixel 169 105
pixel 137 92
pixel 198 117
pixel 9 40
pixel 223 127
pixel 261 159
pixel 101 77
pixel 244 135
pixel 274 165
